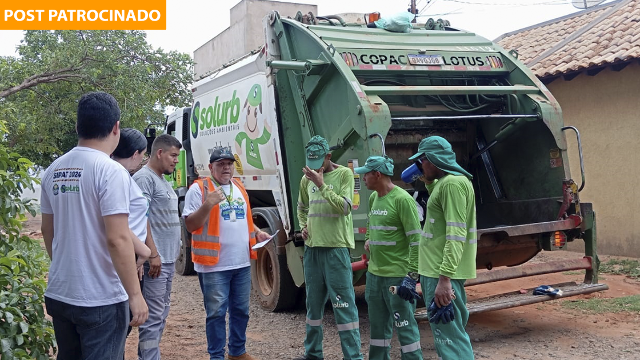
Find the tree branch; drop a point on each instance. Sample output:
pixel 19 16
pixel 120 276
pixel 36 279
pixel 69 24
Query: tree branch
pixel 50 77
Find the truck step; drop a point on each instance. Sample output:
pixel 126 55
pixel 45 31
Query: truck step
pixel 517 298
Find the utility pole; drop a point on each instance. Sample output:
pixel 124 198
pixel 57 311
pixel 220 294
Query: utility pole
pixel 413 10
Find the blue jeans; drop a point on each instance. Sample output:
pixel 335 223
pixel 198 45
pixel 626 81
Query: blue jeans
pixel 218 288
pixel 96 333
pixel 157 294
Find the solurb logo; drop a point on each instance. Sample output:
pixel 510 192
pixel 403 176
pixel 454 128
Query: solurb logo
pixel 399 324
pixel 194 120
pixel 379 212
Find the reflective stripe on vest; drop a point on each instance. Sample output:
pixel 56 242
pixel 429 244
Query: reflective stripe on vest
pixel 205 245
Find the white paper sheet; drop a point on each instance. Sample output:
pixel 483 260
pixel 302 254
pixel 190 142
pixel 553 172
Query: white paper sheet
pixel 261 244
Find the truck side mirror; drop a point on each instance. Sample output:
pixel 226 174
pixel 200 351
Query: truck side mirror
pixel 150 134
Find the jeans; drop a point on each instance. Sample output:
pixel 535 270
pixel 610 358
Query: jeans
pixel 157 294
pixel 224 290
pixel 96 333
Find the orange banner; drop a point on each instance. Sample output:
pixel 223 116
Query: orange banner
pixel 83 15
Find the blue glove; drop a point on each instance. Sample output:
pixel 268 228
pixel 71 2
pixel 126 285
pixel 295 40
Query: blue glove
pixel 407 290
pixel 443 314
pixel 547 290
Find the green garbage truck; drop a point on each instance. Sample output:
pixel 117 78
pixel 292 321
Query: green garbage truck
pixel 369 91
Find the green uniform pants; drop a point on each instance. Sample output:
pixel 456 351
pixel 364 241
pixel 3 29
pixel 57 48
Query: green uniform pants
pixel 387 310
pixel 328 276
pixel 451 340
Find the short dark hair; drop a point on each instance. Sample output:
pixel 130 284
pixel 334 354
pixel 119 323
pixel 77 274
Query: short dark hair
pixel 98 113
pixel 131 140
pixel 164 142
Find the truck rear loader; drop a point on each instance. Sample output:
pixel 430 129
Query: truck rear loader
pixel 369 91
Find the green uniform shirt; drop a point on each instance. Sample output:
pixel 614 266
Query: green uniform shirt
pixel 394 234
pixel 252 149
pixel 449 242
pixel 326 212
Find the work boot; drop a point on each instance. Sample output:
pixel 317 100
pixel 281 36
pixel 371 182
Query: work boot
pixel 244 356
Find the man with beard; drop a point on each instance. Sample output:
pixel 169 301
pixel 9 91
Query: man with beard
pixel 163 238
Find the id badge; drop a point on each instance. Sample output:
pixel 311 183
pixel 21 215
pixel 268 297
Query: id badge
pixel 232 215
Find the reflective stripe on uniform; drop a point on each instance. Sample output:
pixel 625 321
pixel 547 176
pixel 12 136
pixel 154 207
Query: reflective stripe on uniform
pixel 347 206
pixel 456 238
pixel 383 243
pixel 380 342
pixel 457 224
pixel 414 243
pixel 411 347
pixel 432 221
pixel 314 322
pixel 383 228
pixel 350 326
pixel 318 202
pixel 427 235
pixel 324 215
pixel 473 241
pixel 417 231
pixel 472 230
pixel 204 252
pixel 205 237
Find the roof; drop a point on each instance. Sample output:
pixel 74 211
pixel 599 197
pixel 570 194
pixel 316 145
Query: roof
pixel 604 35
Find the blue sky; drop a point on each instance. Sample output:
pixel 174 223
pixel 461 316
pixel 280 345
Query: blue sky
pixel 191 23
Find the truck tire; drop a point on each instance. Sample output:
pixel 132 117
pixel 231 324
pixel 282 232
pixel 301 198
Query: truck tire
pixel 270 276
pixel 184 265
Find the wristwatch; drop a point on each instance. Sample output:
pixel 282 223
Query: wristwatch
pixel 414 275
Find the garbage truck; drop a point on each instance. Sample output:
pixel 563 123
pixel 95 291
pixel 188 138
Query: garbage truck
pixel 369 91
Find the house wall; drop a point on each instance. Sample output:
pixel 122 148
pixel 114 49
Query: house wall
pixel 605 109
pixel 244 33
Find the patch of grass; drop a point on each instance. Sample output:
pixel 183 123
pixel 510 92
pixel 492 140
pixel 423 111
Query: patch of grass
pixel 573 273
pixel 631 268
pixel 600 306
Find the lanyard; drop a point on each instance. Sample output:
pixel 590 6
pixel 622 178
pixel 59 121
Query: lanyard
pixel 230 196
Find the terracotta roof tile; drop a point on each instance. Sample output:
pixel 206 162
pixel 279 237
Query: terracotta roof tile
pixel 605 34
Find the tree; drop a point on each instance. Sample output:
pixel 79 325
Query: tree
pixel 25 333
pixel 40 88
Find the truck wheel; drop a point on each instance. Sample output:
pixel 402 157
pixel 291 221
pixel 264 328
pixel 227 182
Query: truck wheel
pixel 184 265
pixel 269 273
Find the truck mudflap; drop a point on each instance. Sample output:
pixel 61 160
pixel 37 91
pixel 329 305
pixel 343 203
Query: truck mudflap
pixel 521 297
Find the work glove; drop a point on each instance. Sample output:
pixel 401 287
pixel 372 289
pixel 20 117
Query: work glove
pixel 407 290
pixel 547 290
pixel 443 314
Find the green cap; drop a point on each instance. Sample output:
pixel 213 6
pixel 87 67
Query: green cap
pixel 317 148
pixel 439 152
pixel 255 95
pixel 376 163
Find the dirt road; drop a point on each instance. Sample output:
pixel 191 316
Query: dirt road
pixel 539 331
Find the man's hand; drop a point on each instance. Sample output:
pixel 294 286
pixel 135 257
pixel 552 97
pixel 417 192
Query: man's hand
pixel 444 293
pixel 305 233
pixel 155 265
pixel 366 245
pixel 316 177
pixel 407 290
pixel 139 310
pixel 214 197
pixel 443 314
pixel 262 236
pixel 140 272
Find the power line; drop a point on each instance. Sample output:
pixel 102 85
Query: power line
pixel 548 2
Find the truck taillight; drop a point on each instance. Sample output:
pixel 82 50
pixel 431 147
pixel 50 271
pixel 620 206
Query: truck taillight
pixel 374 16
pixel 559 239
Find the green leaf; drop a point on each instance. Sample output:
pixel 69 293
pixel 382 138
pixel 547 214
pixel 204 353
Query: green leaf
pixel 6 344
pixel 24 327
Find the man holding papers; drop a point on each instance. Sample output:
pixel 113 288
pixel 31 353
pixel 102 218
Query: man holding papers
pixel 218 214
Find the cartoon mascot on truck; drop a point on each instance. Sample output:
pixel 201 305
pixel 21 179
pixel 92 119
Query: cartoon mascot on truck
pixel 253 107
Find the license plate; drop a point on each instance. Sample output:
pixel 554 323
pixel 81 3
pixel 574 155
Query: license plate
pixel 421 59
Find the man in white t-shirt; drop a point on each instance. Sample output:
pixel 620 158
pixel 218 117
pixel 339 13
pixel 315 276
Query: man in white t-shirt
pixel 218 214
pixel 85 209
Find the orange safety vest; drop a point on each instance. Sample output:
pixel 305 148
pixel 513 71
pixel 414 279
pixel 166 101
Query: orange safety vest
pixel 205 247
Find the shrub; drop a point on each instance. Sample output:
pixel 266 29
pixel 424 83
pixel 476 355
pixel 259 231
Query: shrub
pixel 25 333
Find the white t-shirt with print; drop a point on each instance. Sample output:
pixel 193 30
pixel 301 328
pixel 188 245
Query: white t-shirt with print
pixel 79 189
pixel 234 235
pixel 139 212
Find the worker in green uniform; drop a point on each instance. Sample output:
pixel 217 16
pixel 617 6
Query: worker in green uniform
pixel 447 251
pixel 392 239
pixel 324 214
pixel 253 107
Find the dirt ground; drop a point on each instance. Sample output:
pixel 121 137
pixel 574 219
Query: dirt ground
pixel 538 331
